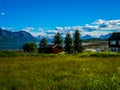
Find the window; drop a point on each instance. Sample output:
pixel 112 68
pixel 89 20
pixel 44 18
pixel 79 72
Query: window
pixel 113 50
pixel 112 42
pixel 119 42
pixel 119 50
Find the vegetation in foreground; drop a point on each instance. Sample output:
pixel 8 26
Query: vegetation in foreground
pixel 59 72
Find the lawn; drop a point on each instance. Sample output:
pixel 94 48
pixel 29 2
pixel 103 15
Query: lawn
pixel 59 72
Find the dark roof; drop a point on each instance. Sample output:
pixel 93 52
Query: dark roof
pixel 114 36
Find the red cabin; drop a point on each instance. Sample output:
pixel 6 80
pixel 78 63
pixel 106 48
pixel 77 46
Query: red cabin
pixel 51 49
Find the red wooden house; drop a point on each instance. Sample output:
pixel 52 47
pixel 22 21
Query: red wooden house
pixel 114 42
pixel 51 49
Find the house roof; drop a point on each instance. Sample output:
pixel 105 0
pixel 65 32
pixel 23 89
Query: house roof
pixel 52 46
pixel 56 45
pixel 114 36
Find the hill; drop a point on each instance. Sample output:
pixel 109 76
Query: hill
pixel 14 40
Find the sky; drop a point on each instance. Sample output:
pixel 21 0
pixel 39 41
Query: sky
pixel 40 17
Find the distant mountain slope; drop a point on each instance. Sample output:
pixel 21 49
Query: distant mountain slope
pixel 86 37
pixel 16 36
pixel 14 40
pixel 102 37
pixel 105 36
pixel 48 38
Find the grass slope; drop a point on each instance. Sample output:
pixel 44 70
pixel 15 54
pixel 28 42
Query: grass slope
pixel 59 72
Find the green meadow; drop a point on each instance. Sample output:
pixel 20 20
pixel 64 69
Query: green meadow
pixel 86 71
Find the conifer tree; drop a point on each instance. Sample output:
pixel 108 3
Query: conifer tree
pixel 58 39
pixel 77 42
pixel 68 43
pixel 43 43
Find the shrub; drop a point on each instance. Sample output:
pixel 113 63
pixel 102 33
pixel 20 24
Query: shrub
pixel 30 47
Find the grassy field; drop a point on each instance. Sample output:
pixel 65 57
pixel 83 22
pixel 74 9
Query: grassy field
pixel 60 72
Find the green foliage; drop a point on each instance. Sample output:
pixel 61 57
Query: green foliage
pixel 34 54
pixel 30 47
pixel 43 43
pixel 100 54
pixel 60 72
pixel 68 43
pixel 77 42
pixel 58 39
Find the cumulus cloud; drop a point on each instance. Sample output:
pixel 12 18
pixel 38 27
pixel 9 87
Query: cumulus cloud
pixel 99 21
pixel 41 32
pixel 90 28
pixel 59 28
pixel 52 31
pixel 29 29
pixel 76 27
pixel 7 28
pixel 111 28
pixel 34 31
pixel 95 29
pixel 108 24
pixel 84 30
pixel 67 28
pixel 95 34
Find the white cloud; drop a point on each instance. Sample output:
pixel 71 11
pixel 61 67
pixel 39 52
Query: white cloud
pixel 34 31
pixel 40 29
pixel 52 31
pixel 28 29
pixel 90 28
pixel 114 22
pixel 59 28
pixel 2 13
pixel 7 28
pixel 93 33
pixel 99 21
pixel 41 32
pixel 111 28
pixel 108 24
pixel 76 27
pixel 99 27
pixel 67 28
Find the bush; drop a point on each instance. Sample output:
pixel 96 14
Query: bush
pixel 30 47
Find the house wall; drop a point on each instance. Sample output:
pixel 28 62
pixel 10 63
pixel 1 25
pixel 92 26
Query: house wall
pixel 116 45
pixel 57 49
pixel 114 48
pixel 45 50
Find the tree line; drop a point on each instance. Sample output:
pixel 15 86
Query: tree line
pixel 70 44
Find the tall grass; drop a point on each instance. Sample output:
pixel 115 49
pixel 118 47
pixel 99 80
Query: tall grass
pixel 34 54
pixel 100 54
pixel 59 72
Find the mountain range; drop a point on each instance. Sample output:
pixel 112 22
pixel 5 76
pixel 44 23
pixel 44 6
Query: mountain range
pixel 15 40
pixel 86 37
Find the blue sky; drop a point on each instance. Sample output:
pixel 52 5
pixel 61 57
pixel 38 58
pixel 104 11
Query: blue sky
pixel 48 14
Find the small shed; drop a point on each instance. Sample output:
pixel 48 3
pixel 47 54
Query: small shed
pixel 51 49
pixel 114 42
